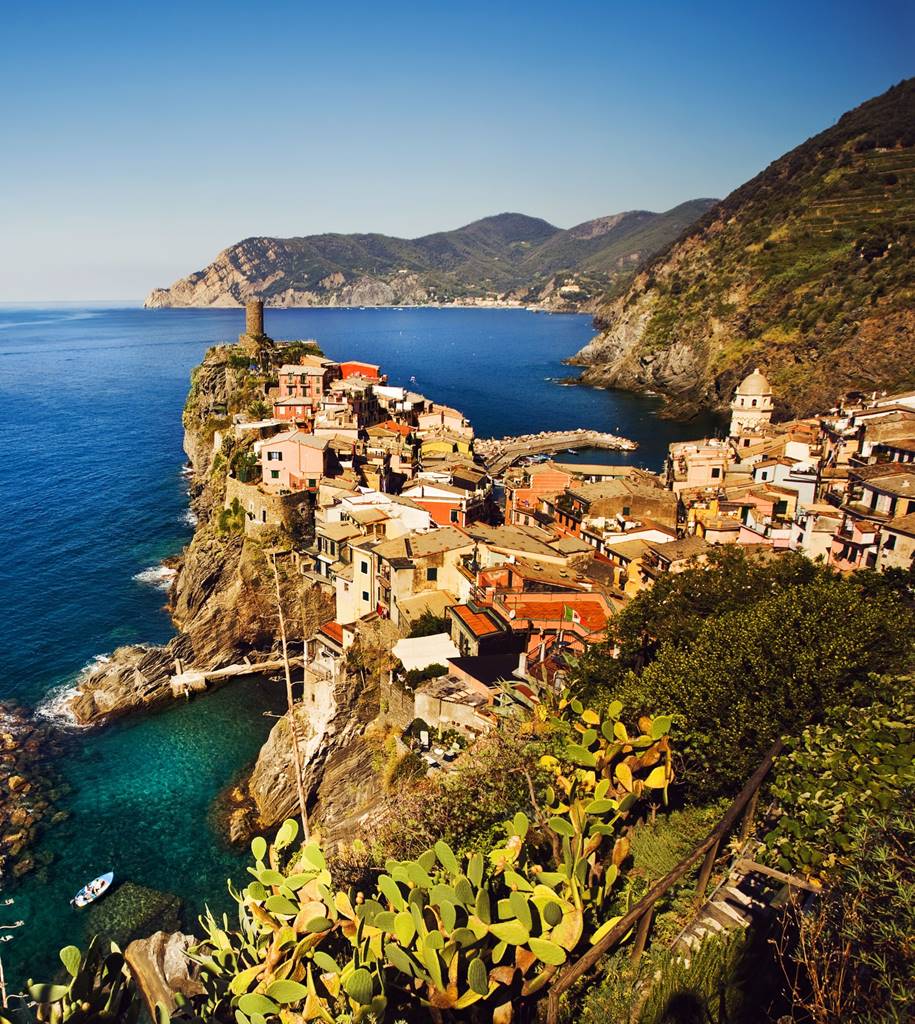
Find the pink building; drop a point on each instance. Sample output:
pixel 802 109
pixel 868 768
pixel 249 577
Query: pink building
pixel 854 546
pixel 293 461
pixel 309 379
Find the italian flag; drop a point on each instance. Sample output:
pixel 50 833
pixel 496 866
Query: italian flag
pixel 570 615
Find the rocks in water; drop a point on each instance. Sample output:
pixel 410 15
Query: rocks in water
pixel 132 911
pixel 28 750
pixel 133 677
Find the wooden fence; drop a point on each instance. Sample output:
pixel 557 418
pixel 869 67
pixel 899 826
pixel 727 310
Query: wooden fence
pixel 640 916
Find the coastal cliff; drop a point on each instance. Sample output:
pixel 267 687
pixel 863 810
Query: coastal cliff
pixel 222 600
pixel 509 259
pixel 806 271
pixel 223 605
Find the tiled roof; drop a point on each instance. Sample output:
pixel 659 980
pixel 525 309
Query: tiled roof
pixel 479 623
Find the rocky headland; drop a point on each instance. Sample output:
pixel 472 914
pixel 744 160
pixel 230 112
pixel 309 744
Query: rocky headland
pixel 506 260
pixel 223 604
pixel 805 271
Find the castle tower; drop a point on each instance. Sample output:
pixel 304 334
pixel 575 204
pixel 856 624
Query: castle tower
pixel 254 341
pixel 751 408
pixel 254 318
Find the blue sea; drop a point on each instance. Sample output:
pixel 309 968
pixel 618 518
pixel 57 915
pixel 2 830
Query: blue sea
pixel 92 498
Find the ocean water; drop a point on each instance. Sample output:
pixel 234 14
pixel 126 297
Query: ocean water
pixel 92 498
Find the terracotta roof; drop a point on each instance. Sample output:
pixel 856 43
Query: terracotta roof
pixel 333 630
pixel 479 623
pixel 590 609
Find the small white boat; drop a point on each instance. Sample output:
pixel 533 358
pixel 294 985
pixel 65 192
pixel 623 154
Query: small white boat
pixel 93 890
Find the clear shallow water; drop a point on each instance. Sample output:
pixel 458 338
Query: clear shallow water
pixel 91 497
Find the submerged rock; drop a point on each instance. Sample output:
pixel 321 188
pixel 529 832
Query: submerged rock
pixel 132 911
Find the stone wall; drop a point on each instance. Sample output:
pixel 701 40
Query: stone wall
pixel 262 509
pixel 397 704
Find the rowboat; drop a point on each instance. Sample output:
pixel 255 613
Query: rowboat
pixel 91 891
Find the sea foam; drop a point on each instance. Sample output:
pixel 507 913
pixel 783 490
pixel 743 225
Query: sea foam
pixel 159 576
pixel 56 704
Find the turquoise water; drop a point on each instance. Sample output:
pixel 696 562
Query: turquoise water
pixel 92 496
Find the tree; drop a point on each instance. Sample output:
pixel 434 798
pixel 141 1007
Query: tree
pixel 758 672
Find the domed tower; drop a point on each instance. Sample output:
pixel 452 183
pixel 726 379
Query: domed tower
pixel 751 407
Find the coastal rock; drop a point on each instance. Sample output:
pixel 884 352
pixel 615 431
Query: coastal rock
pixel 790 272
pixel 26 781
pixel 133 677
pixel 161 968
pixel 343 789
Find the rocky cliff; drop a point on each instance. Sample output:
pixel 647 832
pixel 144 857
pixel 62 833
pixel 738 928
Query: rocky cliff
pixel 339 756
pixel 509 258
pixel 222 600
pixel 805 271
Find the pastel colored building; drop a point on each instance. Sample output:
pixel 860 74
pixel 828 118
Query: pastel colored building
pixel 355 368
pixel 293 461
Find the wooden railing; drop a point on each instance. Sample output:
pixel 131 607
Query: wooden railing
pixel 640 916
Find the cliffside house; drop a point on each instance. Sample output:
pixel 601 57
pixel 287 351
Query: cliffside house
pixel 896 548
pixel 293 461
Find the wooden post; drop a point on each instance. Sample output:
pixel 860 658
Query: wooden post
pixel 641 935
pixel 749 817
pixel 706 873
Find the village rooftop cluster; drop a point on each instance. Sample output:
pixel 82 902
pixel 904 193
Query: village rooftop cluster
pixel 403 524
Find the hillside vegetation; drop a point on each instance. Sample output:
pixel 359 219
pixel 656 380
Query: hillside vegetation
pixel 806 271
pixel 509 256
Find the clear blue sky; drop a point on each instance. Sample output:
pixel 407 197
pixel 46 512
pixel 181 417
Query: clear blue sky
pixel 140 139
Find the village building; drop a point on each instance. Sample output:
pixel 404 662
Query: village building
pixel 752 405
pixel 896 548
pixel 293 461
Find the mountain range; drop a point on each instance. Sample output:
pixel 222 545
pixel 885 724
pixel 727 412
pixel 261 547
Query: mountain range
pixel 806 271
pixel 506 258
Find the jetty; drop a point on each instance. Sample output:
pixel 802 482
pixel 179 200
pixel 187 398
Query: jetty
pixel 501 453
pixel 186 681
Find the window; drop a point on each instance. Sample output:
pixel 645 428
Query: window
pixel 890 543
pixel 274 474
pixel 365 595
pixel 716 472
pixel 431 575
pixel 364 567
pixel 626 510
pixel 312 482
pixel 753 402
pixel 454 515
pixel 274 456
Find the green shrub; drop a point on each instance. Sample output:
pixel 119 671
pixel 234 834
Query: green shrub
pixel 836 775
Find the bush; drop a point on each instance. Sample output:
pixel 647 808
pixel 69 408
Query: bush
pixel 838 774
pixel 754 674
pixel 429 624
pixel 854 959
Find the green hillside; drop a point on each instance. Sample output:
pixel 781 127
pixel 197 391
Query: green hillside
pixel 806 270
pixel 508 255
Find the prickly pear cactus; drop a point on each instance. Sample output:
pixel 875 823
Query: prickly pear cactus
pixel 445 931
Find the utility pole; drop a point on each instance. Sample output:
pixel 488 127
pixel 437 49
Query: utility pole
pixel 290 701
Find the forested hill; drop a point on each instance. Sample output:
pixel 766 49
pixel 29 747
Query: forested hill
pixel 805 271
pixel 507 257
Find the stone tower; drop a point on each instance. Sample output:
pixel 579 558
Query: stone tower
pixel 254 318
pixel 751 408
pixel 254 341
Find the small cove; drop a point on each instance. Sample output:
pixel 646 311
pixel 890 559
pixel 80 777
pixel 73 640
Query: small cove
pixel 93 498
